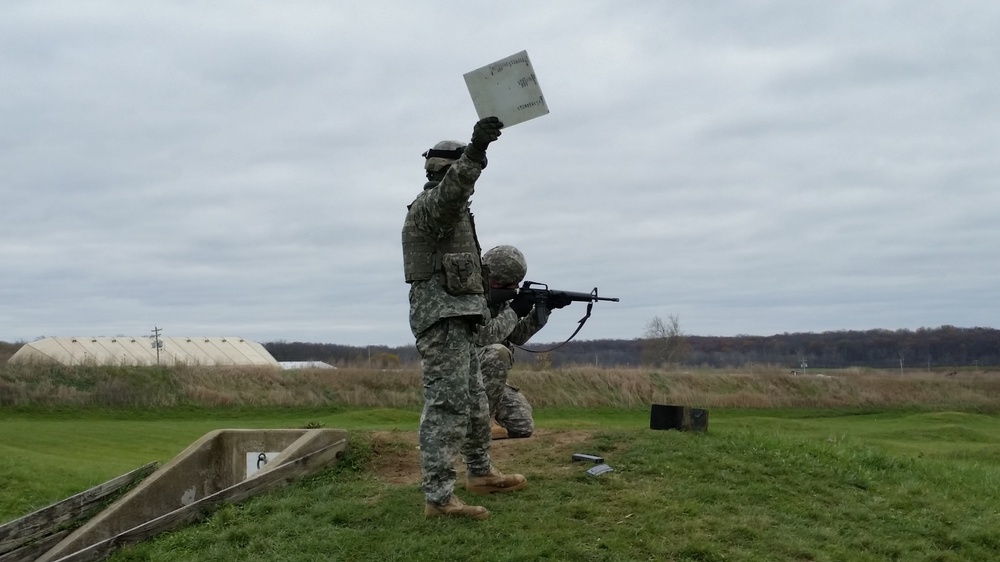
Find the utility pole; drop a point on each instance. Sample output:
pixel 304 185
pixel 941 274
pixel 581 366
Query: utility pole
pixel 157 343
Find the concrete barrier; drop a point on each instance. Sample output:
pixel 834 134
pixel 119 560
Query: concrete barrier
pixel 217 469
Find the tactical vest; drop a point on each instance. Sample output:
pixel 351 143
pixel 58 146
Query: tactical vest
pixel 423 255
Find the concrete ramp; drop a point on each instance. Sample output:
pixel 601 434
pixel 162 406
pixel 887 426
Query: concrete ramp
pixel 27 537
pixel 223 467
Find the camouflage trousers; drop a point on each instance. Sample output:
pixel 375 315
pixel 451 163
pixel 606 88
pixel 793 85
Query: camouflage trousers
pixel 455 418
pixel 507 404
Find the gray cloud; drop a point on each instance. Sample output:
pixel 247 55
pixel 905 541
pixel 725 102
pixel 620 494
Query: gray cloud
pixel 243 169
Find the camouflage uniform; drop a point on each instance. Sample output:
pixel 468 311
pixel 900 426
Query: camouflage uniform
pixel 507 404
pixel 455 416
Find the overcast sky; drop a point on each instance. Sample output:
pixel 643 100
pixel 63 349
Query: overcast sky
pixel 243 168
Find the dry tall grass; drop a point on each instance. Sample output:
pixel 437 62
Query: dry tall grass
pixel 759 388
pixel 162 387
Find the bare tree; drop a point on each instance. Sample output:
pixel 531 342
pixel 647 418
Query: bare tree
pixel 664 342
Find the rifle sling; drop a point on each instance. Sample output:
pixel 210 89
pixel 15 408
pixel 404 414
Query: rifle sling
pixel 582 321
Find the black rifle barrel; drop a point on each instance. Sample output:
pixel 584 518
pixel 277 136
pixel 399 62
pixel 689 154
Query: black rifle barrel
pixel 581 297
pixel 543 290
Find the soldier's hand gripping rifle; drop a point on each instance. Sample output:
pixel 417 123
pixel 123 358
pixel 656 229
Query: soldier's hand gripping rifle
pixel 546 299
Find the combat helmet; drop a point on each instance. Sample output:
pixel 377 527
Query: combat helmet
pixel 443 154
pixel 506 264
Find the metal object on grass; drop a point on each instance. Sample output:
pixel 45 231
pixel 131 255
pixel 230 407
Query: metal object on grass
pixel 599 470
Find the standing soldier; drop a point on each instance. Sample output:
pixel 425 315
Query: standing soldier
pixel 442 264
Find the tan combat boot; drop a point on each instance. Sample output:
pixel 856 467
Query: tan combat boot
pixel 498 431
pixel 455 507
pixel 495 481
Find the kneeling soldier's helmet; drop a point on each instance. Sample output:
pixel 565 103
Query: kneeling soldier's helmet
pixel 506 264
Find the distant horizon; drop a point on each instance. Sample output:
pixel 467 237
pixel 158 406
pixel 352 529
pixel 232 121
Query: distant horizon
pixel 578 338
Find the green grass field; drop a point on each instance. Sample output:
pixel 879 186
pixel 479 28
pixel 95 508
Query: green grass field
pixel 803 485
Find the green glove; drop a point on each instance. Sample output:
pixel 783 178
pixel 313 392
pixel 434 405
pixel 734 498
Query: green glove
pixel 486 131
pixel 521 305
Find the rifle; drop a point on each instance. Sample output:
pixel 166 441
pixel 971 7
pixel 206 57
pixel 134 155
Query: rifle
pixel 545 299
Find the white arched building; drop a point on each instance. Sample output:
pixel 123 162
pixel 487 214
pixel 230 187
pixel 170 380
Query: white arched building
pixel 123 350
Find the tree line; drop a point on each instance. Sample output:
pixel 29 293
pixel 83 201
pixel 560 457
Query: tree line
pixel 945 346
